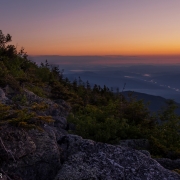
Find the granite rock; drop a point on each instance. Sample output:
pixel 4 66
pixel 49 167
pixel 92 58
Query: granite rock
pixel 86 159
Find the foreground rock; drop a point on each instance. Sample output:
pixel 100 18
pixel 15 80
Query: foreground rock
pixel 86 159
pixel 32 155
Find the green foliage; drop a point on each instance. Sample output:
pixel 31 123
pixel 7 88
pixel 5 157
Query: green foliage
pixel 106 123
pixel 20 99
pixel 4 39
pixel 120 119
pixel 3 70
pixel 37 90
pixel 22 118
pixel 3 74
pixel 165 138
pixel 4 111
pixel 92 128
pixel 39 107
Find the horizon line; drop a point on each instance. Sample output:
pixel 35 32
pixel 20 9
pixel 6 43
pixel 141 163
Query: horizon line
pixel 115 55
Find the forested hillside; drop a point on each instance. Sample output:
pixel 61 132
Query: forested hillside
pixel 96 113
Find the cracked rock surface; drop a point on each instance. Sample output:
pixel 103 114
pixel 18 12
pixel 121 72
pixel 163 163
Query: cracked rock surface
pixel 87 159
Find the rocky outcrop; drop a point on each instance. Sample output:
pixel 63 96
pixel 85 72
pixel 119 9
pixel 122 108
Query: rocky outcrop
pixel 86 159
pixel 30 155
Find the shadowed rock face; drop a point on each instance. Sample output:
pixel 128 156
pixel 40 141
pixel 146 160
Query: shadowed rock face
pixel 30 155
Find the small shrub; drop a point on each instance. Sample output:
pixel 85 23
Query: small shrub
pixel 20 99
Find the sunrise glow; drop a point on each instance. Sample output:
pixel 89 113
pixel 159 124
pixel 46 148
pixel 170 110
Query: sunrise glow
pixel 93 27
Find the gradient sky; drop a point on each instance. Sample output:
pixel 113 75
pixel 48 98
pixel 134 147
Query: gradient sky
pixel 93 27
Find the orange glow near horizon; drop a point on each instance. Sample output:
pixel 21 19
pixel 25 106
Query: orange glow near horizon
pixel 102 50
pixel 77 28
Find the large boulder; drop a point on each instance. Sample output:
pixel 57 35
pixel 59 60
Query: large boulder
pixel 86 159
pixel 15 143
pixel 30 155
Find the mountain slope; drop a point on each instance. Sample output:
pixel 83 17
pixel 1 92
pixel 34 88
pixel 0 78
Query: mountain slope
pixel 154 103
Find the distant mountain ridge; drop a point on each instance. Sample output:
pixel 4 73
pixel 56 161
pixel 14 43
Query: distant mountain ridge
pixel 156 103
pixel 155 80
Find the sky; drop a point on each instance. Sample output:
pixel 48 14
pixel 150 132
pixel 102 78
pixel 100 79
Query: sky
pixel 94 27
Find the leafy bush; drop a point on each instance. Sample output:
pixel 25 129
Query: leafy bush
pixel 106 123
pixel 20 99
pixel 165 138
pixel 22 118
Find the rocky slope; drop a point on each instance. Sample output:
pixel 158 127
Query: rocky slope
pixel 53 154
